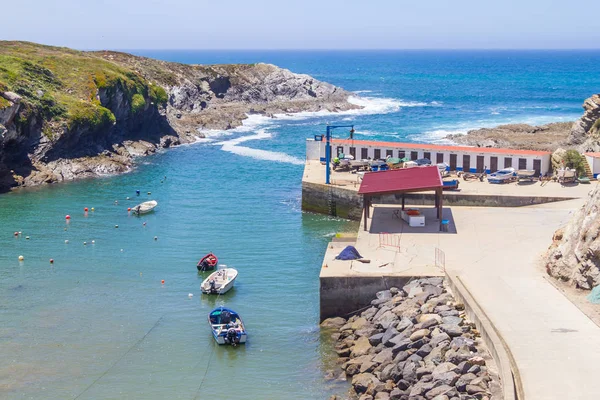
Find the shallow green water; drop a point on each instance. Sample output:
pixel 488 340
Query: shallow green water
pixel 98 323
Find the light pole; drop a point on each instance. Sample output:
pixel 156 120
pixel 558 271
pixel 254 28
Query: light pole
pixel 328 146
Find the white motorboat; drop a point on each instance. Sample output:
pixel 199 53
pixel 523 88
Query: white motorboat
pixel 145 207
pixel 356 164
pixel 501 176
pixel 566 175
pixel 219 282
pixel 526 174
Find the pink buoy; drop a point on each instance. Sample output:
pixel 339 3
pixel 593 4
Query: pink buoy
pixel 52 261
pixel 16 233
pixel 68 217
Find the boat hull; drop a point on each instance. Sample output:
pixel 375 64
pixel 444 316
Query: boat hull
pixel 144 208
pixel 207 263
pixel 219 282
pixel 227 327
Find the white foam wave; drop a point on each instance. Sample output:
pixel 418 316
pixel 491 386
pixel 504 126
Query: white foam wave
pixel 263 155
pixel 233 146
pixel 362 91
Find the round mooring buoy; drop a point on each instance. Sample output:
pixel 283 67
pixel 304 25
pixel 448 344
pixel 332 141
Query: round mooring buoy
pixel 21 258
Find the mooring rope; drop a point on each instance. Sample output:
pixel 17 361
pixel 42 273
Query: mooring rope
pixel 120 358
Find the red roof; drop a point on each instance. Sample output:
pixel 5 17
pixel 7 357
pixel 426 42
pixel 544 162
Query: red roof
pixel 401 180
pixel 436 147
pixel 593 155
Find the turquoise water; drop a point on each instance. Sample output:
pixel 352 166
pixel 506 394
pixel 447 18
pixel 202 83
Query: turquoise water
pixel 98 323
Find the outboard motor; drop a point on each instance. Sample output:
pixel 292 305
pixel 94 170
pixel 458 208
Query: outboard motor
pixel 212 286
pixel 232 337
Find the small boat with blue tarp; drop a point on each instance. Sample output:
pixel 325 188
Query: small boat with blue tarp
pixel 227 326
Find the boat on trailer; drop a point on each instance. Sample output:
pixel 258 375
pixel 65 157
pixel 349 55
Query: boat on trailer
pixel 219 282
pixel 145 207
pixel 502 176
pixel 566 175
pixel 208 262
pixel 526 174
pixel 227 326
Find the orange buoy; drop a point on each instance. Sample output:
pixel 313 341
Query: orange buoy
pixel 163 281
pixel 85 209
pixel 128 209
pixel 68 217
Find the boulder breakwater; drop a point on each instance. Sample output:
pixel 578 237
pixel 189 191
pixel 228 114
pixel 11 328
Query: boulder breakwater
pixel 413 342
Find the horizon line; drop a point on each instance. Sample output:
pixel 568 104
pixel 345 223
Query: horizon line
pixel 350 49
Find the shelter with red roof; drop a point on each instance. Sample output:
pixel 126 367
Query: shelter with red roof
pixel 401 181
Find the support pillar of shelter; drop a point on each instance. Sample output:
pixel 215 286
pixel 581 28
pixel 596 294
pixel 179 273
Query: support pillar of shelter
pixel 366 200
pixel 439 200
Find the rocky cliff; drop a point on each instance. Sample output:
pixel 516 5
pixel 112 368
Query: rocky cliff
pixel 585 132
pixel 574 255
pixel 66 114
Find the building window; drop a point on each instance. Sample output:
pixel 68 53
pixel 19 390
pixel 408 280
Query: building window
pixel 414 155
pixel 507 162
pixel 377 154
pixel 427 155
pixel 353 151
pixel 389 153
pixel 364 153
pixel 439 158
pixel 401 154
pixel 522 163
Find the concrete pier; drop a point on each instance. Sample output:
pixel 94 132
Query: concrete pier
pixel 341 199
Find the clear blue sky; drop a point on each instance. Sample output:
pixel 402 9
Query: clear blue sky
pixel 308 24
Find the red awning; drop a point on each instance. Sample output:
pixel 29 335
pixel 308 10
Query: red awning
pixel 401 180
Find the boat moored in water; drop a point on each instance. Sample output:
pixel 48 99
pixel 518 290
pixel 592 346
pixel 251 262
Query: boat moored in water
pixel 219 282
pixel 208 262
pixel 227 326
pixel 145 207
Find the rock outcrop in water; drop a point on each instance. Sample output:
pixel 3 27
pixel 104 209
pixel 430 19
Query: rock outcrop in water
pixel 413 343
pixel 66 114
pixel 517 136
pixel 574 255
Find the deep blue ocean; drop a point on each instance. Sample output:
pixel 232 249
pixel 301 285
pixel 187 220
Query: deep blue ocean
pixel 98 323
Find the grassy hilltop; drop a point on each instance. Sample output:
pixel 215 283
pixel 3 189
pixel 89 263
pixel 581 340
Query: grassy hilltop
pixel 62 84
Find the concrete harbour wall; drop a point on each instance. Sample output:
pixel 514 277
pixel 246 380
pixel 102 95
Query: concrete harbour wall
pixel 341 296
pixel 347 203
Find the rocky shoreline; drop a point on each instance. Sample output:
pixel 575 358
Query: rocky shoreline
pixel 58 125
pixel 413 343
pixel 547 137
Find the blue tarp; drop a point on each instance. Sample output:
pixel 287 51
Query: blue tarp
pixel 349 253
pixel 594 296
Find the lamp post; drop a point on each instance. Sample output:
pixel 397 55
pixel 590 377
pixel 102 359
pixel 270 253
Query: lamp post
pixel 328 146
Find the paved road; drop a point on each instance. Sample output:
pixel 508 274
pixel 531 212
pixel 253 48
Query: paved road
pixel 555 345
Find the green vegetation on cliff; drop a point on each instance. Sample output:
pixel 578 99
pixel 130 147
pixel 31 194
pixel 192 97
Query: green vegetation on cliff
pixel 68 86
